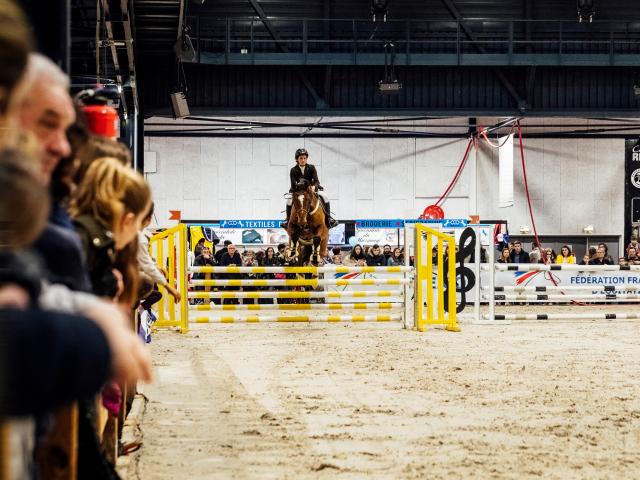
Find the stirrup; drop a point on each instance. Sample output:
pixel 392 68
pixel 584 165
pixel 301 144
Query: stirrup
pixel 333 223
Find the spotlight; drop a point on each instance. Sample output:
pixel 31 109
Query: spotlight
pixel 586 11
pixel 379 8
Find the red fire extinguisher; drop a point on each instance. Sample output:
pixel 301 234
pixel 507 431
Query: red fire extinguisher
pixel 102 120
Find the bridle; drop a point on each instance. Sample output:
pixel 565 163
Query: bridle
pixel 304 213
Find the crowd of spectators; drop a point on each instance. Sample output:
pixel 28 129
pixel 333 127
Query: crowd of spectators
pixel 596 255
pixel 72 276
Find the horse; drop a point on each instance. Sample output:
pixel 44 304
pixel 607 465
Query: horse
pixel 308 233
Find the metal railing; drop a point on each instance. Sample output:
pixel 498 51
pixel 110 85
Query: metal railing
pixel 244 39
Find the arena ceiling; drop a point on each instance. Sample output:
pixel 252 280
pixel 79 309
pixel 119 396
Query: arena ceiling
pixel 327 57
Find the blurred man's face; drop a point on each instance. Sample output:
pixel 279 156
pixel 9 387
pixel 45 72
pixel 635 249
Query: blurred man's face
pixel 518 247
pixel 600 252
pixel 47 112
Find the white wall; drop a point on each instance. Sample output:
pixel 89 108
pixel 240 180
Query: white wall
pixel 572 182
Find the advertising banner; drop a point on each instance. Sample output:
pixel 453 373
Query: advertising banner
pixel 631 186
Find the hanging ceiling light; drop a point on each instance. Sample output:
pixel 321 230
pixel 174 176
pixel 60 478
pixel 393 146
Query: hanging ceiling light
pixel 586 11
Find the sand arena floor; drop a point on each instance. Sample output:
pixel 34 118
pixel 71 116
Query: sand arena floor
pixel 553 400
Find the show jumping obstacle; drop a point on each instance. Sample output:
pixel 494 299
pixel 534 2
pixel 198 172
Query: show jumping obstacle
pixel 396 310
pixel 399 304
pixel 582 294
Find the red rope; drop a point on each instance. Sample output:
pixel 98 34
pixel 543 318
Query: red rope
pixel 455 177
pixel 533 223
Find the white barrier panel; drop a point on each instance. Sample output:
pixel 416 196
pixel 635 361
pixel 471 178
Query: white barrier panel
pixel 299 283
pixel 570 297
pixel 292 270
pixel 301 306
pixel 567 316
pixel 301 318
pixel 566 288
pixel 375 294
pixel 568 281
pixel 536 267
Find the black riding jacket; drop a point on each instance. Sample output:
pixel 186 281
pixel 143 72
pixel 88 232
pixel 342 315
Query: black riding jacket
pixel 310 174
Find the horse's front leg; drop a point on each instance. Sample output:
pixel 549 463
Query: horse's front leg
pixel 293 245
pixel 315 256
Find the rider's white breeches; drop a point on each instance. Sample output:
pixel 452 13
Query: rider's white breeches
pixel 323 195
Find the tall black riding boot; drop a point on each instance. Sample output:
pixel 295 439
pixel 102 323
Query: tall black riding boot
pixel 286 222
pixel 330 222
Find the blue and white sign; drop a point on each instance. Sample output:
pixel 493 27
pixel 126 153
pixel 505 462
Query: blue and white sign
pixel 397 223
pixel 445 222
pixel 250 223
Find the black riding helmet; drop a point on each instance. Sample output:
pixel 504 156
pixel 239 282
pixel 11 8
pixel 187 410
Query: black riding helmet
pixel 301 151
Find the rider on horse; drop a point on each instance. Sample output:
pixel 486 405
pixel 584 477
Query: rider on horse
pixel 305 171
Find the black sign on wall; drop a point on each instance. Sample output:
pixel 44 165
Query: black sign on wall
pixel 631 187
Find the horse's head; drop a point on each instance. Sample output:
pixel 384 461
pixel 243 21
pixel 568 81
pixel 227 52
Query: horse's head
pixel 302 200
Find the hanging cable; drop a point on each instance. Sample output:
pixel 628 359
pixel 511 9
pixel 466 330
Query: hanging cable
pixel 543 252
pixel 458 172
pixel 483 132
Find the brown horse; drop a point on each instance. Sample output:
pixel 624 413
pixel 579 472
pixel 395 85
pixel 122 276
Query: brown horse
pixel 308 233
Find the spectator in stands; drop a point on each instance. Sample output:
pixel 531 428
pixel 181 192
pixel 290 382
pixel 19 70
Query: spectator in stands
pixel 518 255
pixel 197 250
pixel 549 256
pixel 600 258
pixel 505 256
pixel 375 257
pixel 89 147
pixel 396 259
pixel 220 253
pixel 606 253
pixel 536 254
pixel 337 259
pixel 270 258
pixel 566 255
pixel 260 258
pixel 47 121
pixel 205 259
pixel 47 111
pixel 592 251
pixel 54 357
pixel 356 257
pixel 386 251
pixel 149 268
pixel 108 210
pixel 633 243
pixel 231 258
pixel 585 259
pixel 632 256
pixel 249 259
pixel 15 46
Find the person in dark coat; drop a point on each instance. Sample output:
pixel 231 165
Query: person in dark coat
pixel 306 171
pixel 231 258
pixel 376 258
pixel 518 255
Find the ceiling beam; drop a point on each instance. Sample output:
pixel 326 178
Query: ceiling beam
pixel 320 102
pixel 128 35
pixel 450 5
pixel 114 53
